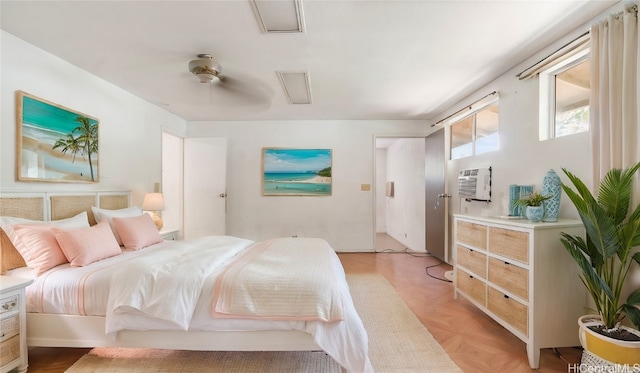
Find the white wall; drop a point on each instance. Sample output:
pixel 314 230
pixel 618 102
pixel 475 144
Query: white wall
pixel 345 218
pixel 380 190
pixel 130 128
pixel 172 182
pixel 522 158
pixel 406 210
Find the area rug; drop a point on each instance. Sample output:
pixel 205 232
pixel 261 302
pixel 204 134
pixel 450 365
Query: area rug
pixel 398 342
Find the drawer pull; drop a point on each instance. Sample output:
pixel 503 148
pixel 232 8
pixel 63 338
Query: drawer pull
pixel 2 336
pixel 507 263
pixel 506 296
pixel 470 276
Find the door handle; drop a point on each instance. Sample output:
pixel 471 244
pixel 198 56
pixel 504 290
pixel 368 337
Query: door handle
pixel 444 195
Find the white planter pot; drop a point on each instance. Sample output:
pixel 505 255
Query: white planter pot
pixel 610 350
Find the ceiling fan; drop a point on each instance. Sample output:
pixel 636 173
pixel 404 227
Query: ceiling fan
pixel 236 92
pixel 205 68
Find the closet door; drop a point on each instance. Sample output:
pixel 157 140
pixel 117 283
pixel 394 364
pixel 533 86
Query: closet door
pixel 205 171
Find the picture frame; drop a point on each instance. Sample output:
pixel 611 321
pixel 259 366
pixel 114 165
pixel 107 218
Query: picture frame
pixel 55 143
pixel 296 172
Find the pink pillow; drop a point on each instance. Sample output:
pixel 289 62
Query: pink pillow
pixel 38 246
pixel 83 246
pixel 137 232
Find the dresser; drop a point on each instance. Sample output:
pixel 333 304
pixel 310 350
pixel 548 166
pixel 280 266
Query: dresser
pixel 13 336
pixel 520 274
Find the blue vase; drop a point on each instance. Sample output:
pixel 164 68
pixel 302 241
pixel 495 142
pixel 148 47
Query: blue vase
pixel 534 213
pixel 551 186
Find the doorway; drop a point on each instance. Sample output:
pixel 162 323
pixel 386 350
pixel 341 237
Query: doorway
pixel 399 194
pixel 415 214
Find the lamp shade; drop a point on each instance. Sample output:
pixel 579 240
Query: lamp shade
pixel 153 202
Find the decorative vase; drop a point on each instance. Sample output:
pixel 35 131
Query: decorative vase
pixel 534 213
pixel 551 186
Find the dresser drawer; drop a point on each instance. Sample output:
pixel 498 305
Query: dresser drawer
pixel 8 304
pixel 472 234
pixel 508 243
pixel 509 310
pixel 10 349
pixel 509 277
pixel 473 260
pixel 471 286
pixel 9 326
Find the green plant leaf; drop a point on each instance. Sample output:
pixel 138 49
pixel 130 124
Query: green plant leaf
pixel 634 298
pixel 606 255
pixel 633 313
pixel 596 286
pixel 614 195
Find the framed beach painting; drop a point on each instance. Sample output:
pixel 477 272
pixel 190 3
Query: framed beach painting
pixel 54 143
pixel 296 172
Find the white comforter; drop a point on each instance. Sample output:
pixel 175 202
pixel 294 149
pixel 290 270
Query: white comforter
pixel 263 283
pixel 166 286
pixel 142 282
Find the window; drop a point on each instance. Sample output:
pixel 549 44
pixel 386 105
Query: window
pixel 564 97
pixel 475 131
pixel 572 100
pixel 462 138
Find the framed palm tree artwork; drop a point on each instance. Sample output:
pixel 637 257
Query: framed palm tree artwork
pixel 54 143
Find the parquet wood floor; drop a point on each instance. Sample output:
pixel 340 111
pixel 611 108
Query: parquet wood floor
pixel 474 342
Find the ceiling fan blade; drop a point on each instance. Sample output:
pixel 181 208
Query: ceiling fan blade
pixel 251 93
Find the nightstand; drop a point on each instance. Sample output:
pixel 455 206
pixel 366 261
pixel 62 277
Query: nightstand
pixel 13 324
pixel 170 234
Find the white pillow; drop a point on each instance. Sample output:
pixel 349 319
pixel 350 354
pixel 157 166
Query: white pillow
pixel 78 221
pixel 108 215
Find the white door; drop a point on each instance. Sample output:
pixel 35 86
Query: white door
pixel 205 170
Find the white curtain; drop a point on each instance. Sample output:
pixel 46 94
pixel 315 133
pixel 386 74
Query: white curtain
pixel 615 92
pixel 614 107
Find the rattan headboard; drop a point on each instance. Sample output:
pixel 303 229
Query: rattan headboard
pixel 61 207
pixel 22 207
pixel 31 208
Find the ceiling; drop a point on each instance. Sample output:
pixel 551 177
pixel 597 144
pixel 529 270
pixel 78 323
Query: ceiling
pixel 382 59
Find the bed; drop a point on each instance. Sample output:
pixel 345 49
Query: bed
pixel 226 305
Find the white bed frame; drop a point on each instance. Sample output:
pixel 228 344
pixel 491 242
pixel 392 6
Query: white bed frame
pixel 51 330
pixel 48 330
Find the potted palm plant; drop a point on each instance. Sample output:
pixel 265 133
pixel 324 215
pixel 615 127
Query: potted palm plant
pixel 606 258
pixel 533 204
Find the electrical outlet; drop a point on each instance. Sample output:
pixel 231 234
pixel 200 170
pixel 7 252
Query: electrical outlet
pixel 365 187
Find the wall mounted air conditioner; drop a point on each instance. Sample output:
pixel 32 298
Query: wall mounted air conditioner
pixel 475 184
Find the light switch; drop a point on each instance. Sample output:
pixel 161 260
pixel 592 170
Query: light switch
pixel 365 187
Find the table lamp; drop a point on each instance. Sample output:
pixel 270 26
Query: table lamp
pixel 154 202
